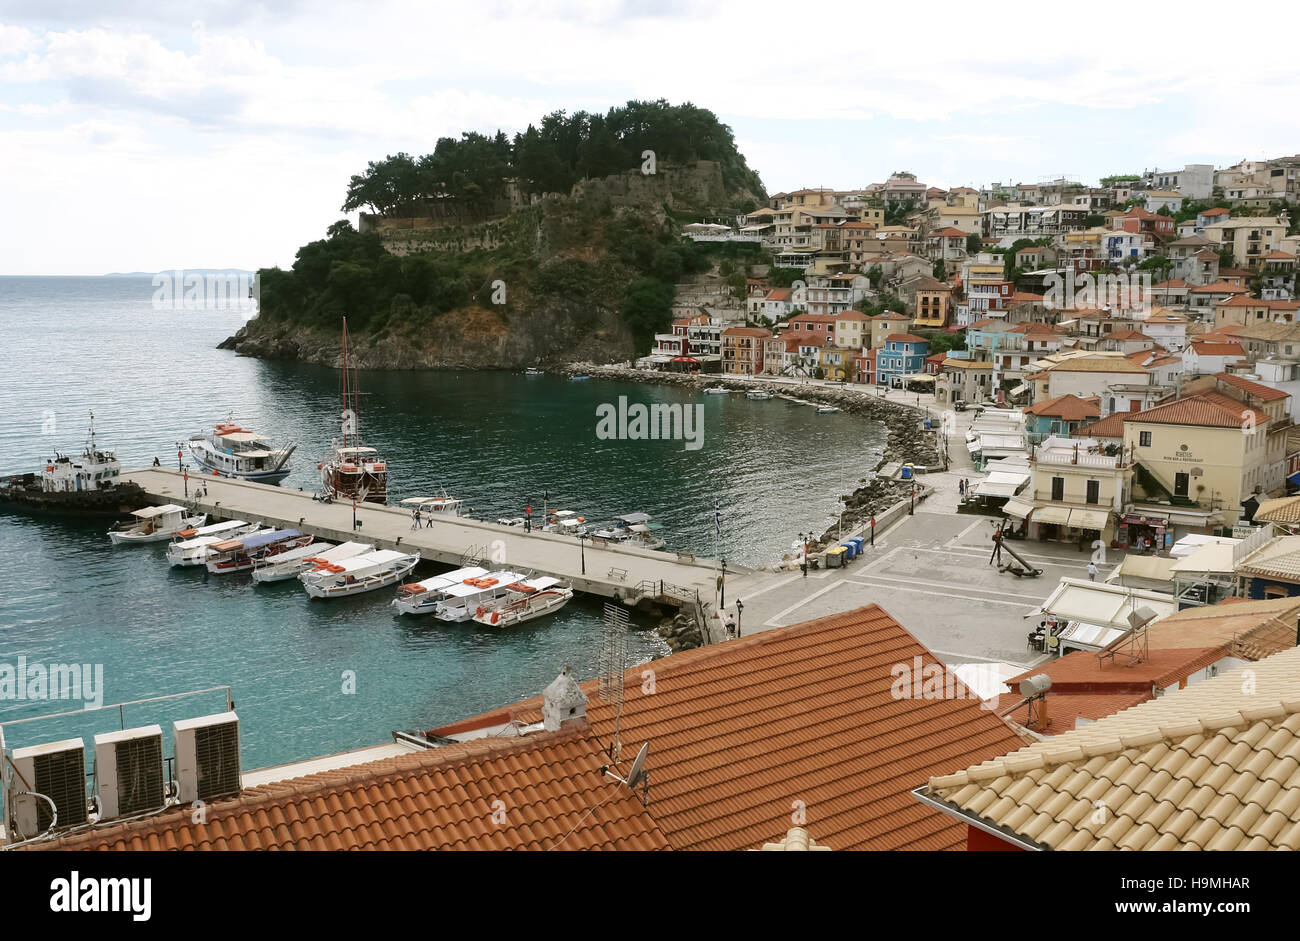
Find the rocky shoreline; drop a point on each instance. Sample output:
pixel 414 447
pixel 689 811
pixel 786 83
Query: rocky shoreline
pixel 907 440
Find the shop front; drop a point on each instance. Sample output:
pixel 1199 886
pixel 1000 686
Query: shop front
pixel 1144 533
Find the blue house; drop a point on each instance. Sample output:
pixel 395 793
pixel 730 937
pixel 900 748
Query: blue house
pixel 902 355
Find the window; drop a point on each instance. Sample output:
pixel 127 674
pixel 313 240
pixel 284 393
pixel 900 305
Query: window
pixel 1058 489
pixel 1144 439
pixel 1094 492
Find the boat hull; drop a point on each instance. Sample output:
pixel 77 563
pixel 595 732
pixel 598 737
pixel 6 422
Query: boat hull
pixel 244 563
pixel 319 589
pixel 108 503
pixel 120 538
pixel 257 477
pixel 539 606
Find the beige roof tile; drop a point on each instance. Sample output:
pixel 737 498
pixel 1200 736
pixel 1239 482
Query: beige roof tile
pixel 1213 766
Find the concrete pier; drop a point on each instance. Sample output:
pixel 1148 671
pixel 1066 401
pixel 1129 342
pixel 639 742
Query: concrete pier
pixel 626 573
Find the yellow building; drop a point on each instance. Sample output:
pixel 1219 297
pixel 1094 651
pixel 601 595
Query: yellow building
pixel 1078 492
pixel 837 362
pixel 933 303
pixel 1202 455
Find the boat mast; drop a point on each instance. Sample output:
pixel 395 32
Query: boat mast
pixel 345 384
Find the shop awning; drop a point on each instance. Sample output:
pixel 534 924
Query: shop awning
pixel 1053 514
pixel 1001 484
pixel 1018 508
pixel 1103 605
pixel 1089 519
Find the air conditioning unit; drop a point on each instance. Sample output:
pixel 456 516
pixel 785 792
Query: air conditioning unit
pixel 207 757
pixel 56 770
pixel 129 771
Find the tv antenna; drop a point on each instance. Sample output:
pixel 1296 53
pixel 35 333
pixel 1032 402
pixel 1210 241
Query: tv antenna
pixel 612 663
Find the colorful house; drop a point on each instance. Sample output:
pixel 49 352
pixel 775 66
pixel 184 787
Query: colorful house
pixel 1061 416
pixel 903 355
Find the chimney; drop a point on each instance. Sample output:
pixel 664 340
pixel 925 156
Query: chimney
pixel 563 702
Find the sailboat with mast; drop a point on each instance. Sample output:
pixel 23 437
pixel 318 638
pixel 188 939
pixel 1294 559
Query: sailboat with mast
pixel 352 472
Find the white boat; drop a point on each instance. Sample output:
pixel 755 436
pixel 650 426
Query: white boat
pixel 717 391
pixel 240 555
pixel 232 451
pixel 525 600
pixel 422 597
pixel 533 371
pixel 358 574
pixel 633 529
pixel 461 602
pixel 443 507
pixel 155 524
pixel 826 409
pixel 564 522
pixel 190 547
pixel 352 472
pixel 756 394
pixel 291 564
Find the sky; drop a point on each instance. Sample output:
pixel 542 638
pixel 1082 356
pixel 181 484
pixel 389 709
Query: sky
pixel 141 136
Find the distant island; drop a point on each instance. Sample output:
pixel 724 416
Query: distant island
pixel 201 271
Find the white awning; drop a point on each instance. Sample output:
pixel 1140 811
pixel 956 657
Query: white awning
pixel 1089 519
pixel 150 512
pixel 1059 515
pixel 1102 604
pixel 1018 507
pixel 1001 484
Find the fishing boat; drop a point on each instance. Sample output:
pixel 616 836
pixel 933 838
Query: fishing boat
pixel 85 485
pixel 190 546
pixel 359 574
pixel 632 529
pixel 460 602
pixel 422 597
pixel 717 391
pixel 758 394
pixel 155 524
pixel 236 452
pixel 826 409
pixel 525 600
pixel 291 564
pixel 353 473
pixel 443 507
pixel 240 555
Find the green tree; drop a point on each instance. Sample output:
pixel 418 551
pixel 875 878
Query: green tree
pixel 974 244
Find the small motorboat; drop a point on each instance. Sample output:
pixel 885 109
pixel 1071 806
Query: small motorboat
pixel 422 597
pixel 460 602
pixel 632 529
pixel 717 390
pixel 291 564
pixel 359 574
pixel 240 555
pixel 525 600
pixel 758 394
pixel 190 546
pixel 564 522
pixel 578 378
pixel 826 409
pixel 443 507
pixel 534 371
pixel 155 524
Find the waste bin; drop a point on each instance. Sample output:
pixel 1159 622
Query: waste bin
pixel 850 549
pixel 834 558
pixel 927 424
pixel 859 544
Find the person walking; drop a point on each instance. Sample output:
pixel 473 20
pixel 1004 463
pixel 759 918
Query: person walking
pixel 415 517
pixel 1092 571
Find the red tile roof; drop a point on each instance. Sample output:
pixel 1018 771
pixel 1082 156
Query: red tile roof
pixel 1112 426
pixel 1209 409
pixel 1064 708
pixel 1261 392
pixel 1217 349
pixel 1082 672
pixel 738 733
pixel 1067 407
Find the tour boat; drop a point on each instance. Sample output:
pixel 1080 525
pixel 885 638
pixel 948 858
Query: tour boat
pixel 525 600
pixel 757 394
pixel 358 574
pixel 716 391
pixel 422 597
pixel 443 507
pixel 240 555
pixel 633 529
pixel 190 546
pixel 291 564
pixel 233 451
pixel 353 473
pixel 460 602
pixel 87 485
pixel 155 524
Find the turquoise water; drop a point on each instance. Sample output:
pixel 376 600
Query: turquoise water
pixel 499 441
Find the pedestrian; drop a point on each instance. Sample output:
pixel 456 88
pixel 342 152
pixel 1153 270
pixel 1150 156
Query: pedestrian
pixel 157 463
pixel 415 518
pixel 1092 571
pixel 961 487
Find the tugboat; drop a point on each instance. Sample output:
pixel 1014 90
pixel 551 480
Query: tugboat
pixel 88 485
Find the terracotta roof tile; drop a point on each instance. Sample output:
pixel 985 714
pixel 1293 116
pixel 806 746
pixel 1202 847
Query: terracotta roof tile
pixel 1067 407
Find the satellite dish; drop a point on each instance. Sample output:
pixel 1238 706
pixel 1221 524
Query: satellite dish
pixel 638 767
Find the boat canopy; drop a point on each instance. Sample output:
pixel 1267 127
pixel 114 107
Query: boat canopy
pixel 634 518
pixel 257 540
pixel 357 451
pixel 371 559
pixel 254 453
pixel 240 437
pixel 426 501
pixel 150 512
pixel 446 580
pixel 215 529
pixel 344 550
pixel 537 584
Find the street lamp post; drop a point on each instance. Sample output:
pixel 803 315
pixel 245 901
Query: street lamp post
pixel 911 510
pixel 740 607
pixel 804 538
pixel 582 551
pixel 723 586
